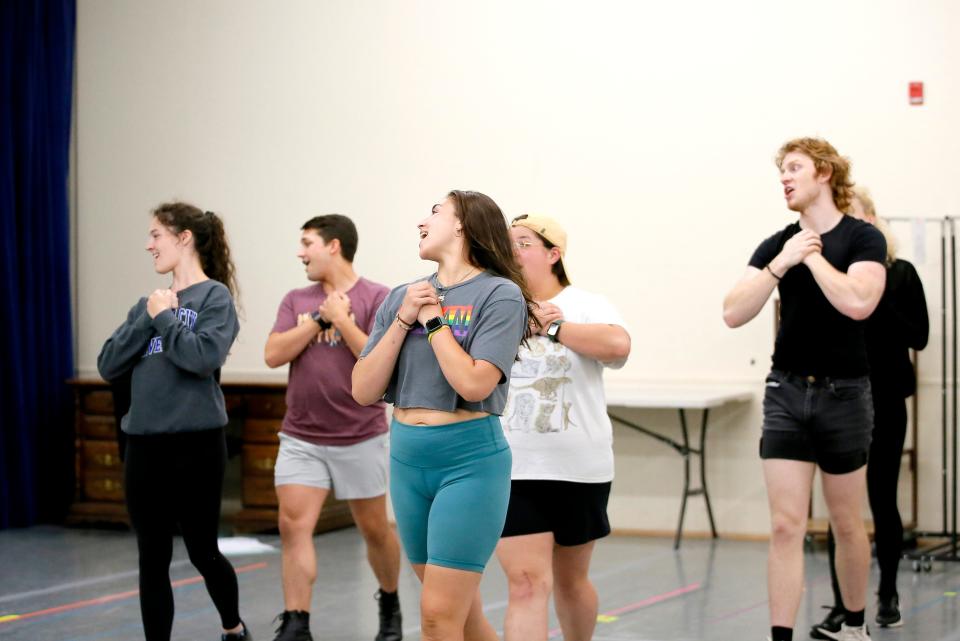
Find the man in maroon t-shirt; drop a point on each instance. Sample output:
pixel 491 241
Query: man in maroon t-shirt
pixel 328 440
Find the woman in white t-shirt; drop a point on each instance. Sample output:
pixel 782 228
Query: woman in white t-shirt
pixel 562 441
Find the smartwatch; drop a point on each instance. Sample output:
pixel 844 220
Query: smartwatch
pixel 553 331
pixel 318 319
pixel 434 324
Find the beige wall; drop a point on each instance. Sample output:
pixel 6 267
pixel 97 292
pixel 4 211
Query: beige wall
pixel 647 128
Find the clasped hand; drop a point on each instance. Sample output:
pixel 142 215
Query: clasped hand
pixel 420 303
pixel 546 313
pixel 160 300
pixel 800 247
pixel 336 308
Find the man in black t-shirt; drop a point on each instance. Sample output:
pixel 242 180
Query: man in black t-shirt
pixel 817 409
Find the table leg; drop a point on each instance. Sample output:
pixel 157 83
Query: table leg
pixel 685 452
pixel 703 470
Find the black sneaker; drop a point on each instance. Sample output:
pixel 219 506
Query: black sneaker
pixel 829 628
pixel 243 635
pixel 294 626
pixel 888 612
pixel 391 623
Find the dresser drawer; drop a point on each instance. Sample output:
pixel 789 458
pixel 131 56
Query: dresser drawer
pixel 258 491
pixel 262 430
pixel 266 405
pixel 258 460
pixel 98 427
pixel 98 402
pixel 232 402
pixel 101 455
pixel 103 485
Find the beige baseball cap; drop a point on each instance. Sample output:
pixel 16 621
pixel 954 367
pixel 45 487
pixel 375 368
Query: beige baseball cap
pixel 549 229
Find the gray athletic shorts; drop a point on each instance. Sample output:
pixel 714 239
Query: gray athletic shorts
pixel 357 471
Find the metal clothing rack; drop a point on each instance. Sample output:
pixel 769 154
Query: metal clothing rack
pixel 946 549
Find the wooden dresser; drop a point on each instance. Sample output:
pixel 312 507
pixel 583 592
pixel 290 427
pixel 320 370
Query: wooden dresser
pixel 257 407
pixel 98 496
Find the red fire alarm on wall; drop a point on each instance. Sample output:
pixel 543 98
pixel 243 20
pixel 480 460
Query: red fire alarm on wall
pixel 916 93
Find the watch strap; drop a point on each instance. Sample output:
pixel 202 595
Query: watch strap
pixel 553 331
pixel 318 319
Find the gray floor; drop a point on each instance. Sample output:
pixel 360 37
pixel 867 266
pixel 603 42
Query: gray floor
pixel 79 585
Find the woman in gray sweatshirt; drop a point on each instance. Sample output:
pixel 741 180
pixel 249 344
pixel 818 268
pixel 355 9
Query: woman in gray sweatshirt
pixel 173 343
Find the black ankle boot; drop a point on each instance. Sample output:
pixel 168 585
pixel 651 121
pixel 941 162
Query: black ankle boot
pixel 294 626
pixel 391 623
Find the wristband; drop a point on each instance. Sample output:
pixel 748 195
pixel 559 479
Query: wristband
pixel 430 335
pixel 767 267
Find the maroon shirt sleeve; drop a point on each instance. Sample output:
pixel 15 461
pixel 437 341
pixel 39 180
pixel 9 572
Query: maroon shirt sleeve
pixel 286 316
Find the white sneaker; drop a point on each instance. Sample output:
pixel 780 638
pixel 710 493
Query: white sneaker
pixel 850 633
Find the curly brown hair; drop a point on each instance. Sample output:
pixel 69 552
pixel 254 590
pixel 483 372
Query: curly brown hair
pixel 826 160
pixel 210 240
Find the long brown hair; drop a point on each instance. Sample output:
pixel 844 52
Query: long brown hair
pixel 487 237
pixel 209 240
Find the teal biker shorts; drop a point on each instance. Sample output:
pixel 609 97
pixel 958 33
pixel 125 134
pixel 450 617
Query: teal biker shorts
pixel 450 487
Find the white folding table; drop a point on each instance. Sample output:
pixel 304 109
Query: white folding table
pixel 680 398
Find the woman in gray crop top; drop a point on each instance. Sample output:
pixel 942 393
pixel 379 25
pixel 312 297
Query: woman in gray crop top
pixel 172 346
pixel 441 351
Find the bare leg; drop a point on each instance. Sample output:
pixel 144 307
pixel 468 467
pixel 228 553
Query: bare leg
pixel 300 507
pixel 528 563
pixel 383 549
pixel 844 495
pixel 574 595
pixel 450 607
pixel 788 493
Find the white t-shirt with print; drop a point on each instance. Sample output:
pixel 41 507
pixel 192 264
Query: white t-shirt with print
pixel 556 415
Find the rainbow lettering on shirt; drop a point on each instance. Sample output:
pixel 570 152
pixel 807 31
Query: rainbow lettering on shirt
pixel 457 317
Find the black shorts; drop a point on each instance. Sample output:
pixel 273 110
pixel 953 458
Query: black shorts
pixel 576 513
pixel 827 421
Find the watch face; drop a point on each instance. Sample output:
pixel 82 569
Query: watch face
pixel 552 330
pixel 434 324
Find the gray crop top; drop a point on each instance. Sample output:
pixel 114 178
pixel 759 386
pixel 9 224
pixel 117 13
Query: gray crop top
pixel 488 317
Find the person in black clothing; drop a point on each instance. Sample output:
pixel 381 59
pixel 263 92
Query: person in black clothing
pixel 817 410
pixel 172 346
pixel 899 324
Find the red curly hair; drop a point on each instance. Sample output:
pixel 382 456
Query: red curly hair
pixel 826 160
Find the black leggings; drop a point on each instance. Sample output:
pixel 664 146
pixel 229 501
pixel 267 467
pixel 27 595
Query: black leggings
pixel 176 480
pixel 883 473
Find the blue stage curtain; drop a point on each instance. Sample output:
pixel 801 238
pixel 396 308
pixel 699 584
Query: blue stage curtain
pixel 36 427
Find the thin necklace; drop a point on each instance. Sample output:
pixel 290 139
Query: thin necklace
pixel 442 290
